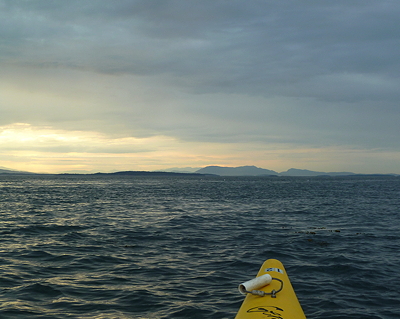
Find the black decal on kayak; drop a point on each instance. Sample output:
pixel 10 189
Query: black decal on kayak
pixel 269 313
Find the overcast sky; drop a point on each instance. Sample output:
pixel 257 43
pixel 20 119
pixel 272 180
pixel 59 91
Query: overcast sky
pixel 99 85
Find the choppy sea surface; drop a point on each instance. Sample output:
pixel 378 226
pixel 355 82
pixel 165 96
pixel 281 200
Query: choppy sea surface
pixel 177 247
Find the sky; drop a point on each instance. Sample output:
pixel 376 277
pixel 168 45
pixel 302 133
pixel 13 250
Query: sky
pixel 99 85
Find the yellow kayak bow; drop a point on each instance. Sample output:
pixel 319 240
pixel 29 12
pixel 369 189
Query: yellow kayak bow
pixel 270 295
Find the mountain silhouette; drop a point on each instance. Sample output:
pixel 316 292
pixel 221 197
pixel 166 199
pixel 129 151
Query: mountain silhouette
pixel 236 171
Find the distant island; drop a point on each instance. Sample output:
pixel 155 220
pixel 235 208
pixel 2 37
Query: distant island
pixel 146 173
pixel 13 172
pixel 236 171
pixel 256 171
pixel 210 171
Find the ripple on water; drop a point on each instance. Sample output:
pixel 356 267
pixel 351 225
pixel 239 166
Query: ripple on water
pixel 97 247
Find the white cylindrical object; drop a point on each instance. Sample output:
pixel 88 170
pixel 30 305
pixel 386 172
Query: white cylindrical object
pixel 255 283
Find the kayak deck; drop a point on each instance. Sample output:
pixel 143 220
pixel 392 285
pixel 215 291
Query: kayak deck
pixel 276 303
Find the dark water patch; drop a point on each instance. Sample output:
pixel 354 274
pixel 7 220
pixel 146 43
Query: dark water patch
pixel 38 229
pixel 37 292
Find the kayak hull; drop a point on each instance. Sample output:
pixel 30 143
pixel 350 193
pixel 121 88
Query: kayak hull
pixel 284 305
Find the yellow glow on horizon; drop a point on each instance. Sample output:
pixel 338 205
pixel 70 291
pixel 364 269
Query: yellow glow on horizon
pixel 43 149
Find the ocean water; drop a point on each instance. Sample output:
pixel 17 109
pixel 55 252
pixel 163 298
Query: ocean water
pixel 177 247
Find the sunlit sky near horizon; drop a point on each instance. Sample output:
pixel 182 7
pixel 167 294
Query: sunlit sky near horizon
pixel 99 85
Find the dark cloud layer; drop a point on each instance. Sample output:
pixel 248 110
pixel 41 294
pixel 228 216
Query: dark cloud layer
pixel 318 72
pixel 256 47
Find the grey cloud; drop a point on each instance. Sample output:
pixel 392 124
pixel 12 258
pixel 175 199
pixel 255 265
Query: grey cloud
pixel 339 59
pixel 218 45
